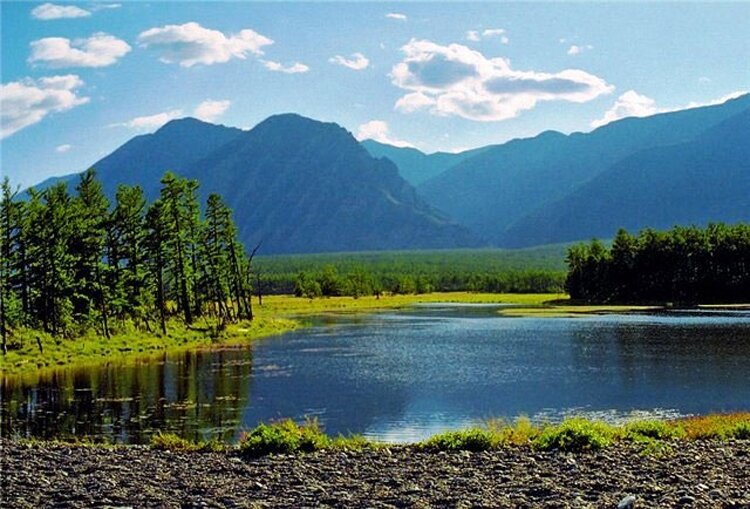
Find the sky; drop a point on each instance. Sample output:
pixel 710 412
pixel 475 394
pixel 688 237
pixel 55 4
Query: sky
pixel 80 79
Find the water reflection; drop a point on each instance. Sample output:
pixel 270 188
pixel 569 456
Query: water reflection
pixel 405 375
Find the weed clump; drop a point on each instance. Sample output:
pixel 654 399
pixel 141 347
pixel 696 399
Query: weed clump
pixel 284 437
pixel 474 439
pixel 574 435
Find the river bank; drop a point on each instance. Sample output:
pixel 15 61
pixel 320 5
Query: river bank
pixel 702 473
pixel 32 351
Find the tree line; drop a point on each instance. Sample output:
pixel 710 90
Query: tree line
pixel 75 262
pixel 360 280
pixel 684 265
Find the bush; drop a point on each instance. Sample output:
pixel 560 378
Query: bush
pixel 655 430
pixel 506 432
pixel 284 437
pixel 466 440
pixel 575 435
pixel 740 430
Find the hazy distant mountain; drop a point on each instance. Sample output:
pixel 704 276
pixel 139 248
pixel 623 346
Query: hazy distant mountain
pixel 703 180
pixel 415 166
pixel 299 185
pixel 497 188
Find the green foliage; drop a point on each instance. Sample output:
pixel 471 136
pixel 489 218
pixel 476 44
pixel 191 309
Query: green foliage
pixel 647 430
pixel 73 264
pixel 474 439
pixel 740 431
pixel 575 435
pixel 537 270
pixel 685 265
pixel 172 442
pixel 284 437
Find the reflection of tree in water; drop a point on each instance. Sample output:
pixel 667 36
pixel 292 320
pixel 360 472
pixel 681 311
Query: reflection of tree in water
pixel 193 394
pixel 691 366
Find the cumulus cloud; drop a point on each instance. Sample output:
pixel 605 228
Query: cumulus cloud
pixel 50 11
pixel 396 15
pixel 629 104
pixel 378 130
pixel 150 122
pixel 61 149
pixel 99 50
pixel 191 44
pixel 575 49
pixel 211 110
pixel 295 68
pixel 633 104
pixel 457 81
pixel 28 101
pixel 357 61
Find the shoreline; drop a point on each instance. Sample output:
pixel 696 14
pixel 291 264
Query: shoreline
pixel 702 473
pixel 278 315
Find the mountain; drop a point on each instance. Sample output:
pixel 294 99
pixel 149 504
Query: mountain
pixel 296 184
pixel 415 166
pixel 497 188
pixel 143 159
pixel 299 185
pixel 703 180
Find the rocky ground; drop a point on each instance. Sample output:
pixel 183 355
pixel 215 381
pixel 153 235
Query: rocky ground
pixel 697 474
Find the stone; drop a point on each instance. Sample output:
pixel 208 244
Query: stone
pixel 627 502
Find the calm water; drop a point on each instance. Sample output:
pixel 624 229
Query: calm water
pixel 405 375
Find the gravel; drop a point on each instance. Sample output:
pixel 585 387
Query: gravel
pixel 692 474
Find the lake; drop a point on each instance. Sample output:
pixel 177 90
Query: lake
pixel 404 375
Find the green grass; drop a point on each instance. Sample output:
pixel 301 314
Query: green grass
pixel 279 313
pixel 572 435
pixel 289 437
pixel 25 358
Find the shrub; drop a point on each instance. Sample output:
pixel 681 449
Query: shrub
pixel 284 437
pixel 509 433
pixel 575 435
pixel 740 430
pixel 656 430
pixel 466 440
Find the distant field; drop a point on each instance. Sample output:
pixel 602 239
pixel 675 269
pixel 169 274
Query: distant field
pixel 447 270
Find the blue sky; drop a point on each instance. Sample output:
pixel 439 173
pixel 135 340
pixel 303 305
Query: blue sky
pixel 80 79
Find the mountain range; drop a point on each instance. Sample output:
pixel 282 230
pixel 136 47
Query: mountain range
pixel 299 185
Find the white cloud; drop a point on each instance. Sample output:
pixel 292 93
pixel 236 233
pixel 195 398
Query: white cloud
pixel 28 101
pixel 295 68
pixel 378 130
pixel 489 33
pixel 101 7
pixel 396 15
pixel 704 79
pixel 99 50
pixel 210 110
pixel 50 11
pixel 575 49
pixel 61 149
pixel 192 44
pixel 357 62
pixel 629 104
pixel 633 104
pixel 713 102
pixel 472 35
pixel 457 81
pixel 150 122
